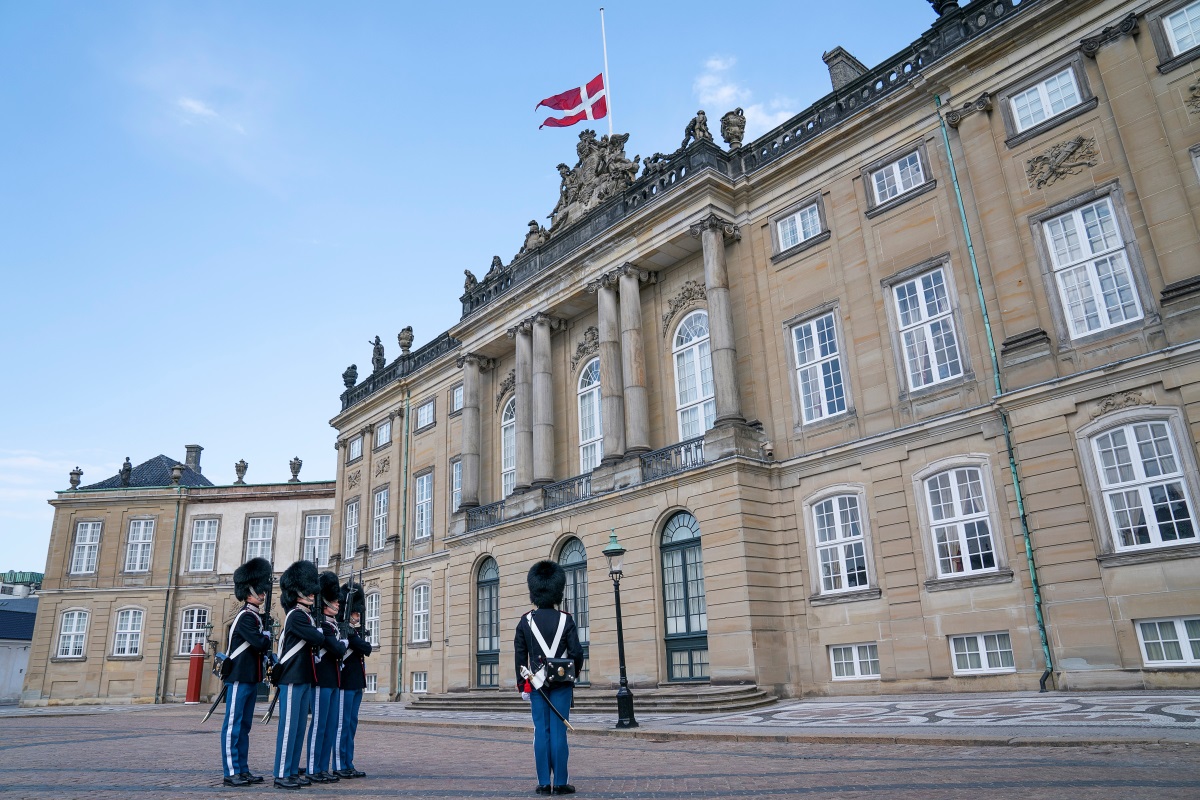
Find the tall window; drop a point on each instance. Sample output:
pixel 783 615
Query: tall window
pixel 354 450
pixel 1170 642
pixel 372 619
pixel 351 528
pixel 424 506
pixel 425 415
pixel 128 638
pixel 684 598
pixel 456 398
pixel 959 517
pixel 141 540
pixel 926 321
pixel 573 559
pixel 71 634
pixel 1183 28
pixel 316 539
pixel 591 433
pixel 383 433
pixel 1045 99
pixel 854 661
pixel 1091 269
pixel 695 405
pixel 487 624
pixel 819 368
pixel 192 631
pixel 420 613
pixel 455 486
pixel 87 546
pixel 204 545
pixel 841 550
pixel 796 228
pixel 980 653
pixel 1145 494
pixel 379 519
pixel 898 177
pixel 508 448
pixel 258 537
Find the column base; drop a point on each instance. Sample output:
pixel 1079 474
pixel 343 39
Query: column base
pixel 733 439
pixel 636 451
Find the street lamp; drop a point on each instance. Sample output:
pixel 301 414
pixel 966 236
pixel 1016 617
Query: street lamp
pixel 616 556
pixel 211 642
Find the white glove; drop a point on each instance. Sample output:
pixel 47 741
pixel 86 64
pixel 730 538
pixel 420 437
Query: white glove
pixel 345 642
pixel 525 696
pixel 267 634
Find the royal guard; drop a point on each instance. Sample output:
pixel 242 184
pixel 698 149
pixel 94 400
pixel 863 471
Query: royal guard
pixel 242 669
pixel 322 732
pixel 295 674
pixel 354 679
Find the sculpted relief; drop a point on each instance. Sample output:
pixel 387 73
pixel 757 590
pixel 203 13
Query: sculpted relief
pixel 603 170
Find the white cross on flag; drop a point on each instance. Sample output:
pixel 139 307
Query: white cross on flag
pixel 589 101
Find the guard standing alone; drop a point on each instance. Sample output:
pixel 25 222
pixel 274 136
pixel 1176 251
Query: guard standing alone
pixel 354 681
pixel 241 671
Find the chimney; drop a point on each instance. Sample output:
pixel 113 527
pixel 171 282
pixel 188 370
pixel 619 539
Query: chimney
pixel 843 67
pixel 192 460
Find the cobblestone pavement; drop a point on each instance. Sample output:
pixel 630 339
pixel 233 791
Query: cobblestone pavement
pixel 167 754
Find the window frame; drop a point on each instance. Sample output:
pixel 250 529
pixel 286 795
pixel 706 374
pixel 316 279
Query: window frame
pixel 857 662
pixel 1189 657
pixel 187 636
pixel 216 540
pixel 384 425
pixel 368 618
pixel 355 442
pixel 327 538
pixel 702 399
pixel 899 352
pixel 379 519
pixel 981 643
pixel 454 400
pixel 430 404
pixel 424 681
pixel 1156 23
pixel 689 641
pixel 781 253
pixel 875 206
pixel 489 657
pixel 596 442
pixel 371 684
pixel 423 506
pixel 455 484
pixel 818 594
pixel 131 567
pixel 250 518
pixel 95 547
pixel 508 477
pixel 421 615
pixel 799 422
pixel 80 633
pixel 1087 99
pixel 347 529
pixel 133 638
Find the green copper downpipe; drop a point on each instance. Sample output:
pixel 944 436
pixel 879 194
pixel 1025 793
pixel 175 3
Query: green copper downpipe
pixel 162 647
pixel 1008 443
pixel 398 683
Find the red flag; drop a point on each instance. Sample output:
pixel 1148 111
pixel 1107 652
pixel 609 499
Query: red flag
pixel 589 101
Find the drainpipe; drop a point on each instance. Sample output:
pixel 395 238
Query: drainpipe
pixel 162 648
pixel 1008 443
pixel 399 677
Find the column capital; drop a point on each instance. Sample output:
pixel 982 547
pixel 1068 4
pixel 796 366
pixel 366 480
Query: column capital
pixel 1126 27
pixel 524 326
pixel 608 280
pixel 365 429
pixel 554 323
pixel 954 116
pixel 483 362
pixel 643 275
pixel 713 222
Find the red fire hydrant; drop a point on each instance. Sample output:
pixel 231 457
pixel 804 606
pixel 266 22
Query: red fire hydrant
pixel 195 673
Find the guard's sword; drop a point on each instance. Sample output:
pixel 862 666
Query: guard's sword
pixel 525 673
pixel 217 702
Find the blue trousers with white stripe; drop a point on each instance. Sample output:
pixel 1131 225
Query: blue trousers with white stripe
pixel 349 701
pixel 294 701
pixel 322 732
pixel 550 749
pixel 235 730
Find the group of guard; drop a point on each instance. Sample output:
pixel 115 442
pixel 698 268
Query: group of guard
pixel 317 669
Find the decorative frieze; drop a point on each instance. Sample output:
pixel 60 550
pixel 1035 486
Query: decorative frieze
pixel 1065 158
pixel 1193 99
pixel 587 347
pixel 955 115
pixel 507 385
pixel 354 479
pixel 383 465
pixel 1119 400
pixel 689 295
pixel 1126 27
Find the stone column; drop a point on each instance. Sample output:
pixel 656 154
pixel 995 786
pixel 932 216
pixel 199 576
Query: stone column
pixel 633 359
pixel 712 232
pixel 472 366
pixel 612 403
pixel 543 399
pixel 523 333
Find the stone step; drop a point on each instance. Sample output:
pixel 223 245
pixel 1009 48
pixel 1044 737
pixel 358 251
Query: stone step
pixel 660 701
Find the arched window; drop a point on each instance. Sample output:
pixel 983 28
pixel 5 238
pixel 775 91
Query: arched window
pixel 591 433
pixel 420 613
pixel 573 559
pixel 508 448
pixel 683 596
pixel 127 640
pixel 693 376
pixel 487 624
pixel 841 548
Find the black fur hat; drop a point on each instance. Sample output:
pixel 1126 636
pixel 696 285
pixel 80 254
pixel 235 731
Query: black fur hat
pixel 298 580
pixel 254 574
pixel 329 587
pixel 356 604
pixel 547 581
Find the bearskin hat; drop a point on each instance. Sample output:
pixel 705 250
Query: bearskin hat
pixel 298 580
pixel 547 581
pixel 330 589
pixel 254 574
pixel 353 600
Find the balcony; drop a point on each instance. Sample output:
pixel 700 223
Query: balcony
pixel 485 516
pixel 564 493
pixel 670 460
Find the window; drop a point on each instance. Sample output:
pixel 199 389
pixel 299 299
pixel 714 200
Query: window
pixel 819 368
pixel 696 407
pixel 980 653
pixel 316 538
pixel 372 619
pixel 354 450
pixel 798 227
pixel 204 545
pixel 141 539
pixel 959 519
pixel 372 683
pixel 351 528
pixel 897 178
pixel 841 550
pixel 420 682
pixel 1170 642
pixel 573 559
pixel 424 506
pixel 87 546
pixel 193 632
pixel 425 415
pixel 379 522
pixel 128 638
pixel 854 661
pixel 71 633
pixel 1045 99
pixel 1182 28
pixel 455 486
pixel 684 599
pixel 1142 481
pixel 487 624
pixel 1091 269
pixel 508 448
pixel 383 433
pixel 420 613
pixel 258 537
pixel 926 327
pixel 456 399
pixel 591 432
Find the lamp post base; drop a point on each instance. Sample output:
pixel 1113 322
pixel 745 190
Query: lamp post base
pixel 625 717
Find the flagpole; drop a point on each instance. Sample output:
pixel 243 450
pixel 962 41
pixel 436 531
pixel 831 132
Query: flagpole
pixel 607 82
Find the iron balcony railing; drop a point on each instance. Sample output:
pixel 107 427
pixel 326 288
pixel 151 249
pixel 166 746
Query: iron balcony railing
pixel 482 517
pixel 563 493
pixel 670 460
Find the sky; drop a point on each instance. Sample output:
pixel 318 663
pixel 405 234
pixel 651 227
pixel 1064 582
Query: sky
pixel 208 210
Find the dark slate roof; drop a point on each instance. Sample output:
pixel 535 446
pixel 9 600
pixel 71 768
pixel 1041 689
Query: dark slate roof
pixel 26 605
pixel 16 625
pixel 155 472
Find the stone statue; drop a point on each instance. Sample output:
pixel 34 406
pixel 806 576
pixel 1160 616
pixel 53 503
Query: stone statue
pixel 494 270
pixel 405 339
pixel 350 376
pixel 377 358
pixel 655 164
pixel 602 172
pixel 535 238
pixel 697 129
pixel 471 282
pixel 126 471
pixel 733 127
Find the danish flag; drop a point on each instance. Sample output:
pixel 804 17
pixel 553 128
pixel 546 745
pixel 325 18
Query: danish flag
pixel 589 101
